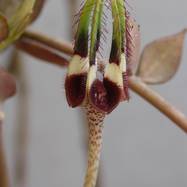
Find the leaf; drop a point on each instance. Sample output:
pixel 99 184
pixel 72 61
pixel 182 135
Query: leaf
pixel 18 22
pixel 3 28
pixel 160 59
pixel 9 7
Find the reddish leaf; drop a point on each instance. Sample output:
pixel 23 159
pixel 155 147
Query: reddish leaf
pixel 37 9
pixel 160 59
pixel 3 28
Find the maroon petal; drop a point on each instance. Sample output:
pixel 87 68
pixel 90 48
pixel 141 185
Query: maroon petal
pixel 105 96
pixel 75 86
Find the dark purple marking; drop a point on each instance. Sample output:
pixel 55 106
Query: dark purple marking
pixel 75 86
pixel 106 95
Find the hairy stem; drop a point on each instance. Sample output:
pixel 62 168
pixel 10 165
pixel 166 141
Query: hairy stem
pixel 95 126
pixel 3 169
pixel 134 83
pixel 159 102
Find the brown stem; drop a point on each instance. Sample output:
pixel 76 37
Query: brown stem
pixel 41 51
pixel 64 47
pixel 159 102
pixel 3 169
pixel 134 82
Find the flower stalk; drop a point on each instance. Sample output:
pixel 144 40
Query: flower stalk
pixel 95 132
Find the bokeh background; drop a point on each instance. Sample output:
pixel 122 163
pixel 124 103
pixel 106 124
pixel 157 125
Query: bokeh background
pixel 141 148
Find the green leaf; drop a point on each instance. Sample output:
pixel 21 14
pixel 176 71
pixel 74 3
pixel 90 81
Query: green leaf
pixel 18 22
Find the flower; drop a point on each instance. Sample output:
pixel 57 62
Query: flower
pixel 82 83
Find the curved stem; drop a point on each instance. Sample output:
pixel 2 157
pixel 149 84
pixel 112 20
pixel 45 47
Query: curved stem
pixel 64 47
pixel 42 52
pixel 95 126
pixel 159 102
pixel 3 169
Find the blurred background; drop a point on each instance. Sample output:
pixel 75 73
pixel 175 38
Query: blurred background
pixel 141 148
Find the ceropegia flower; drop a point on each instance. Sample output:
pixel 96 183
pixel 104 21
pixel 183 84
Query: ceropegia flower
pixel 82 83
pixel 98 94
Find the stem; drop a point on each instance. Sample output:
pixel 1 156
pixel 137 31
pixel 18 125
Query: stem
pixel 95 126
pixel 157 101
pixel 134 83
pixel 21 139
pixel 3 168
pixel 64 47
pixel 41 51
